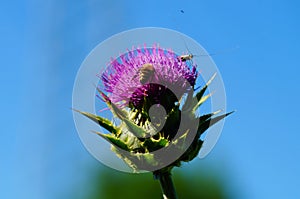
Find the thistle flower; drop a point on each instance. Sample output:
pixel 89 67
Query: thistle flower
pixel 161 67
pixel 151 90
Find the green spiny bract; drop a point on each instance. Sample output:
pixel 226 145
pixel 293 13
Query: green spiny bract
pixel 136 139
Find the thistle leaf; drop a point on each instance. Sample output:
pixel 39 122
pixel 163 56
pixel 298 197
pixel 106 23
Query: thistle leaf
pixel 135 129
pixel 201 101
pixel 188 102
pixel 192 152
pixel 147 159
pixel 181 141
pixel 137 161
pixel 203 89
pixel 105 97
pixel 203 126
pixel 126 159
pixel 116 110
pixel 114 140
pixel 105 123
pixel 172 119
pixel 205 117
pixel 153 144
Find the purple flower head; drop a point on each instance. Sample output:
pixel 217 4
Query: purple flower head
pixel 147 76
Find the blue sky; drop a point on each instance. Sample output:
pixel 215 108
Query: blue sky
pixel 43 45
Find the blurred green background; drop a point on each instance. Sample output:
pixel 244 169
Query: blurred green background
pixel 190 183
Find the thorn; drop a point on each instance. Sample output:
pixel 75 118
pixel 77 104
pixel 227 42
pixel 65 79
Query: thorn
pixel 104 109
pixel 76 110
pixel 92 131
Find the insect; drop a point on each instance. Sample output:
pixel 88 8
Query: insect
pixel 145 73
pixel 185 57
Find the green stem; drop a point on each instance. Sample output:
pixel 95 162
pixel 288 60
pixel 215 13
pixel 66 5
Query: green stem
pixel 166 184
